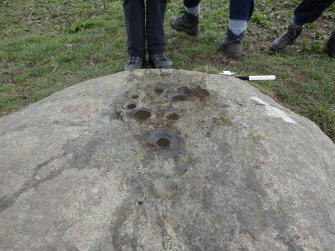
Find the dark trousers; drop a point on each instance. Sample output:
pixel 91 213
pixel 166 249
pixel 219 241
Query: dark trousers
pixel 239 9
pixel 191 3
pixel 309 10
pixel 144 24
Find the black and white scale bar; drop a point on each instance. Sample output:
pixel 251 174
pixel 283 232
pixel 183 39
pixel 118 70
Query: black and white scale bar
pixel 261 77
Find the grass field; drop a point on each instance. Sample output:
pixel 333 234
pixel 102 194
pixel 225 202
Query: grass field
pixel 48 45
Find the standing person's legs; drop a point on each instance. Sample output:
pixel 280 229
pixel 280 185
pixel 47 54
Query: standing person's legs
pixel 241 9
pixel 309 10
pixel 134 13
pixel 240 13
pixel 189 21
pixel 192 7
pixel 154 26
pixel 155 11
pixel 306 12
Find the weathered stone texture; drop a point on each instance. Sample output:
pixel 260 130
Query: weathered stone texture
pixel 164 160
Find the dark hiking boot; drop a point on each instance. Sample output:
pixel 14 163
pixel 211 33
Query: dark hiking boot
pixel 186 23
pixel 330 45
pixel 159 60
pixel 286 38
pixel 232 45
pixel 133 63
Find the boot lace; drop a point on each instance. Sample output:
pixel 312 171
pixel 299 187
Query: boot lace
pixel 133 60
pixel 159 57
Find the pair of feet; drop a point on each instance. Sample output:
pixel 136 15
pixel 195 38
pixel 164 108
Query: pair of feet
pixel 231 45
pixel 293 31
pixel 158 60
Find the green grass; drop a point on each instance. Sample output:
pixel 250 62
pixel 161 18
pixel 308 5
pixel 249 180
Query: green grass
pixel 48 45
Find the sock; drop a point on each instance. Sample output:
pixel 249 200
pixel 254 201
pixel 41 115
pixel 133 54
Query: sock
pixel 194 11
pixel 237 26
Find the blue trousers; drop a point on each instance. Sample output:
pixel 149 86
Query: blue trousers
pixel 309 10
pixel 144 24
pixel 238 9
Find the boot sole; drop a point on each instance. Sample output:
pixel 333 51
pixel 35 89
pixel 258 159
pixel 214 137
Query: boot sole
pixel 276 49
pixel 188 32
pixel 167 66
pixel 231 55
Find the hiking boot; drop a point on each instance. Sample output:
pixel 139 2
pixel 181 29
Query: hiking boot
pixel 186 23
pixel 133 63
pixel 159 60
pixel 232 45
pixel 330 45
pixel 287 38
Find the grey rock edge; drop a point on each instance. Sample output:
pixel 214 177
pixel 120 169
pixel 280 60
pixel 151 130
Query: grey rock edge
pixel 164 160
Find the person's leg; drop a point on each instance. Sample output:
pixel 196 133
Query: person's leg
pixel 310 10
pixel 241 9
pixel 189 21
pixel 240 13
pixel 306 12
pixel 192 7
pixel 155 11
pixel 330 45
pixel 134 13
pixel 287 38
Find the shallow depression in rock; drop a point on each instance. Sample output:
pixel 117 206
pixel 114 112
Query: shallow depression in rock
pixel 163 142
pixel 158 90
pixel 131 106
pixel 142 114
pixel 173 116
pixel 177 96
pixel 184 93
pixel 198 92
pixel 163 139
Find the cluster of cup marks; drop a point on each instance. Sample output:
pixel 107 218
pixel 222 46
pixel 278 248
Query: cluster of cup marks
pixel 163 139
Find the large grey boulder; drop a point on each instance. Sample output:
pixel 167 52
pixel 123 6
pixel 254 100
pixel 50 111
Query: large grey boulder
pixel 164 160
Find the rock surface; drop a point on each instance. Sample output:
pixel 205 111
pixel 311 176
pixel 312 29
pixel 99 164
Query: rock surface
pixel 164 160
